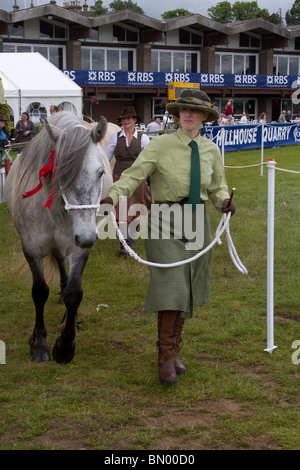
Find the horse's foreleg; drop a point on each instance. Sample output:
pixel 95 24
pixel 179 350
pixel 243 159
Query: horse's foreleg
pixel 64 348
pixel 62 270
pixel 40 291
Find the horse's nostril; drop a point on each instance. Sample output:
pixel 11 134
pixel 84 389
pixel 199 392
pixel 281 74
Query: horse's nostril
pixel 85 243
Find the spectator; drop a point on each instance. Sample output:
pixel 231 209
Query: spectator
pixel 288 116
pixel 25 130
pixel 154 126
pixel 4 134
pixel 282 116
pixel 53 109
pixel 244 119
pixel 262 119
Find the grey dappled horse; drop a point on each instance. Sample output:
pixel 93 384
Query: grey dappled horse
pixel 60 174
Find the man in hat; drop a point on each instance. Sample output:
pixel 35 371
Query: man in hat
pixel 4 134
pixel 169 161
pixel 126 146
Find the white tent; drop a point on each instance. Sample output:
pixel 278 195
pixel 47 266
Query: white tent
pixel 32 84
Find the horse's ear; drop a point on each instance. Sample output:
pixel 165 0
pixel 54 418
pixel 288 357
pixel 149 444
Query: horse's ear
pixel 53 134
pixel 99 131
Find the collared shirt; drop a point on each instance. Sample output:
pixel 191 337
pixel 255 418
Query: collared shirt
pixel 113 142
pixel 167 160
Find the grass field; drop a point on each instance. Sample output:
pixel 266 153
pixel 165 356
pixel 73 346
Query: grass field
pixel 234 396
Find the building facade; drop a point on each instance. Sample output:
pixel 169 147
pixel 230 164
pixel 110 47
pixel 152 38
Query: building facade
pixel 124 58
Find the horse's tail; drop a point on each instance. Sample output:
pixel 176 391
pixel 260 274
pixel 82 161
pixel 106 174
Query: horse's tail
pixel 51 271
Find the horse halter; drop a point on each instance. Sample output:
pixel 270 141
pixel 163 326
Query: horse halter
pixel 69 207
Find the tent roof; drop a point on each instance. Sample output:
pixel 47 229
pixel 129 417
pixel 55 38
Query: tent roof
pixel 35 76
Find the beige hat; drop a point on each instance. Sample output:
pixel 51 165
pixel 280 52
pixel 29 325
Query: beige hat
pixel 194 99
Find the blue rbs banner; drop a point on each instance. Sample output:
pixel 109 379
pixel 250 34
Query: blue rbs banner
pixel 242 137
pixel 161 79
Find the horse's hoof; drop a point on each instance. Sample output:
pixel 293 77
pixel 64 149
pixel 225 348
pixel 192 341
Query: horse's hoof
pixel 63 353
pixel 39 353
pixel 40 357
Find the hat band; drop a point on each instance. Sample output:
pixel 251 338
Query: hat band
pixel 195 101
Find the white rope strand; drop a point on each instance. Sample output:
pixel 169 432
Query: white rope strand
pixel 223 226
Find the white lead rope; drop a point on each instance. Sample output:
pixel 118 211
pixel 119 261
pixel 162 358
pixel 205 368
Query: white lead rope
pixel 223 226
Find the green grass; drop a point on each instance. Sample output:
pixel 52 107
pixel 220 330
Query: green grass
pixel 234 395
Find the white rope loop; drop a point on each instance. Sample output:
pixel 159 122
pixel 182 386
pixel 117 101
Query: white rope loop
pixel 222 227
pixel 83 206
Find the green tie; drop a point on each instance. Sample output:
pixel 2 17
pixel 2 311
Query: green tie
pixel 195 184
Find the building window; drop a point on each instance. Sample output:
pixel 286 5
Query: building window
pixel 54 54
pixel 186 36
pixel 16 30
pixel 121 34
pixel 175 61
pixel 52 31
pixel 247 40
pixel 95 58
pixel 235 63
pixel 286 65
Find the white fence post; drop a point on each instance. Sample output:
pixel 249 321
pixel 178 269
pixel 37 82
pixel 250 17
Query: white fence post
pixel 262 150
pixel 2 183
pixel 223 144
pixel 270 257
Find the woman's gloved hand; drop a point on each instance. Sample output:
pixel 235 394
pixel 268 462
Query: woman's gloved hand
pixel 106 205
pixel 228 206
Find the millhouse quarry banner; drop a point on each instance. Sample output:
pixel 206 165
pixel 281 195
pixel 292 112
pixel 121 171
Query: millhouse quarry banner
pixel 242 137
pixel 161 79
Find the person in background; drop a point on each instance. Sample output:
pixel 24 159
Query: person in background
pixel 288 116
pixel 54 109
pixel 262 119
pixel 228 109
pixel 168 161
pixel 165 119
pixel 4 134
pixel 282 116
pixel 244 119
pixel 154 126
pixel 126 146
pixel 222 120
pixel 25 130
pixel 230 121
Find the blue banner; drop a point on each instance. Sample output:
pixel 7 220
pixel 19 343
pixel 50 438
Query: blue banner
pixel 161 79
pixel 243 137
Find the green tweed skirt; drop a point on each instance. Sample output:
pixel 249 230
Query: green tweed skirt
pixel 183 287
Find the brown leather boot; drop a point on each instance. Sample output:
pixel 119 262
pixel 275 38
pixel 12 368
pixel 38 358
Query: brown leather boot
pixel 179 367
pixel 166 344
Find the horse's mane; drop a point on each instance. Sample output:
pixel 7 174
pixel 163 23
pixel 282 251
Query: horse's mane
pixel 72 140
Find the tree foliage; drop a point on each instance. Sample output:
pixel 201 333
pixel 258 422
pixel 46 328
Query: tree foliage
pixel 98 8
pixel 224 12
pixel 117 5
pixel 167 15
pixel 292 16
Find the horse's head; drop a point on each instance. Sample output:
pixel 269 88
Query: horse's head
pixel 79 173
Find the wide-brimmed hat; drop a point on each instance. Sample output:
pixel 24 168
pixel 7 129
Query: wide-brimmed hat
pixel 3 117
pixel 194 99
pixel 129 111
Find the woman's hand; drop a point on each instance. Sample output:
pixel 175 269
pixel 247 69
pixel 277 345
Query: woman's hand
pixel 228 206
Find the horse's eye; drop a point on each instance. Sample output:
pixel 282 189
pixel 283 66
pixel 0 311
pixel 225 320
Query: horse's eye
pixel 101 173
